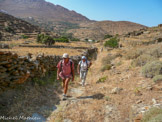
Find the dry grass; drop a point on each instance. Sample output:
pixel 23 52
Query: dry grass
pixel 47 51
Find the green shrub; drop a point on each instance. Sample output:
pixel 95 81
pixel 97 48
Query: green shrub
pixel 152 69
pixel 102 79
pixel 107 36
pixel 45 39
pixel 142 60
pixel 24 36
pixel 157 78
pixel 153 115
pixel 113 42
pixel 62 39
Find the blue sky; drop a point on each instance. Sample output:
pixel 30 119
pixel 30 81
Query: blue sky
pixel 146 12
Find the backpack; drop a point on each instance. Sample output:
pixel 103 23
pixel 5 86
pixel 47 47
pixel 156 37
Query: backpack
pixel 71 63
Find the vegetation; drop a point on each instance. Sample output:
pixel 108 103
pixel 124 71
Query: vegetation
pixel 107 36
pixel 45 39
pixel 62 39
pixel 106 67
pixel 113 42
pixel 70 37
pixel 49 78
pixel 143 59
pixel 24 36
pixel 157 78
pixel 102 79
pixel 106 62
pixel 152 69
pixel 9 29
pixel 153 115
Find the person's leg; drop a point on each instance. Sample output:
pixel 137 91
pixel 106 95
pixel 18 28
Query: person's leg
pixel 66 85
pixel 84 77
pixel 81 77
pixel 63 83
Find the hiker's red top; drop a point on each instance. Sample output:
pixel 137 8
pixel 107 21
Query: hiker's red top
pixel 66 68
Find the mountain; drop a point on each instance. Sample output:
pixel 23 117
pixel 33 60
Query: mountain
pixel 62 21
pixel 40 9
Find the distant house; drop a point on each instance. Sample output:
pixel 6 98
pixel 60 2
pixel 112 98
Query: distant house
pixel 90 40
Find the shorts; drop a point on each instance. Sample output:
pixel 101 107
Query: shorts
pixel 63 77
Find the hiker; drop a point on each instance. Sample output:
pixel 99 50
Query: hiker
pixel 82 69
pixel 65 71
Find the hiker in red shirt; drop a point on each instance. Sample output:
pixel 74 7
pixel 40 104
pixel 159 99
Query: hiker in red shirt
pixel 65 71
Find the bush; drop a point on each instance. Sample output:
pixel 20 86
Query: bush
pixel 152 69
pixel 62 39
pixel 155 51
pixel 142 60
pixel 24 36
pixel 45 39
pixel 153 115
pixel 101 80
pixel 157 78
pixel 106 67
pixel 133 54
pixel 113 42
pixel 107 36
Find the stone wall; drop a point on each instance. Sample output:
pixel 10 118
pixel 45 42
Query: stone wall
pixel 16 70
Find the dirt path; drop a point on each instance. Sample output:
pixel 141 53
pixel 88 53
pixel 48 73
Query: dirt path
pixel 84 104
pixel 96 103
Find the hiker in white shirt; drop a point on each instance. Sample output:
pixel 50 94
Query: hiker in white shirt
pixel 82 69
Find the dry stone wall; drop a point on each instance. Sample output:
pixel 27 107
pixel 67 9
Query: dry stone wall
pixel 16 70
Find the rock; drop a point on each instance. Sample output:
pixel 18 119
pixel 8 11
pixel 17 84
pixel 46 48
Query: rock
pixel 67 120
pixel 139 101
pixel 154 101
pixel 138 118
pixel 116 90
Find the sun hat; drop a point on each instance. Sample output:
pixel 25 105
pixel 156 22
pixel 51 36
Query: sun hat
pixel 65 55
pixel 83 57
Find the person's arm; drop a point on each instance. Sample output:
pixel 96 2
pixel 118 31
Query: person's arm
pixel 90 63
pixel 58 71
pixel 78 68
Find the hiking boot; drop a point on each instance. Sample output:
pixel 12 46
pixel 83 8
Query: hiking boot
pixel 64 97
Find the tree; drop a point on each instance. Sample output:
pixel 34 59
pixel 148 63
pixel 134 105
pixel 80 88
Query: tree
pixel 45 39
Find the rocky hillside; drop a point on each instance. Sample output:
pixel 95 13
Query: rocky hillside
pixel 14 27
pixel 97 30
pixel 61 20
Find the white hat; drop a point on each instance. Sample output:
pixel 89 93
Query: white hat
pixel 83 57
pixel 65 55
